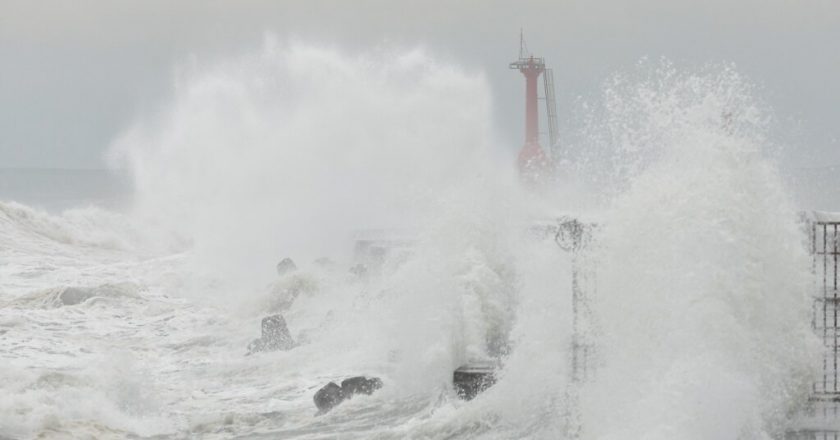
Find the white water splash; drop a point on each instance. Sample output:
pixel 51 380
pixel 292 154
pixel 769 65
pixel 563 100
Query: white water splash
pixel 701 294
pixel 703 301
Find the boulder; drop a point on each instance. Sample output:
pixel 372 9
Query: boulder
pixel 359 270
pixel 328 397
pixel 473 378
pixel 285 266
pixel 360 384
pixel 331 394
pixel 275 336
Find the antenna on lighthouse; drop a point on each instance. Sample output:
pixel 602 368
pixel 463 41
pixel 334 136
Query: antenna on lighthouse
pixel 523 48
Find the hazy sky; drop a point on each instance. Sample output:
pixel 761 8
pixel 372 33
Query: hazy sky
pixel 73 74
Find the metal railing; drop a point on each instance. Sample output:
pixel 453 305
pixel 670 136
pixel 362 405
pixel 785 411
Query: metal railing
pixel 823 411
pixel 825 249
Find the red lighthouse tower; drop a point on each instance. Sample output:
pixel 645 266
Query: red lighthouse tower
pixel 533 162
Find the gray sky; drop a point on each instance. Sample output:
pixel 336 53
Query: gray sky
pixel 76 73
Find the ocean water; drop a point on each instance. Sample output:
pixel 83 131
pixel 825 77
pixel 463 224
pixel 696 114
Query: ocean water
pixel 127 312
pixel 54 190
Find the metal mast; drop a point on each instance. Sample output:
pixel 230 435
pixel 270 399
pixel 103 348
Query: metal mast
pixel 550 109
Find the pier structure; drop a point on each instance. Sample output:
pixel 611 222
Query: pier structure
pixel 822 417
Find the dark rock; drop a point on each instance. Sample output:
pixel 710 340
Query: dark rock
pixel 473 378
pixel 275 336
pixel 285 266
pixel 328 397
pixel 360 384
pixel 331 394
pixel 360 270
